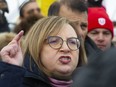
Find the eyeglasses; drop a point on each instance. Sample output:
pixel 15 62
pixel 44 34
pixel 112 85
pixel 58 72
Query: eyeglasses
pixel 56 42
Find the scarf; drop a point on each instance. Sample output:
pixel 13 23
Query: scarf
pixel 60 83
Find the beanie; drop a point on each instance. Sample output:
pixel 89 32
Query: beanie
pixel 98 18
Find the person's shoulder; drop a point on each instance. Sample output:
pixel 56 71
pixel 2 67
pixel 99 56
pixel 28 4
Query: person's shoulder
pixel 91 48
pixel 90 42
pixel 100 72
pixel 11 75
pixel 109 55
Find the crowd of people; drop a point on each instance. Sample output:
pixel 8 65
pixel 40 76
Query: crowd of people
pixel 71 47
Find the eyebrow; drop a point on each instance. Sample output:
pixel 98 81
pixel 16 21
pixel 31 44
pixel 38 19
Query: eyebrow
pixel 75 21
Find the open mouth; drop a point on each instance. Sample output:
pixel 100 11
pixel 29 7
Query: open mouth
pixel 65 59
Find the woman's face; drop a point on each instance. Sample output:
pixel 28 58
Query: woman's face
pixel 62 61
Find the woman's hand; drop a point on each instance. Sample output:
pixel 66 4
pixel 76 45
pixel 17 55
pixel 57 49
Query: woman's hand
pixel 12 53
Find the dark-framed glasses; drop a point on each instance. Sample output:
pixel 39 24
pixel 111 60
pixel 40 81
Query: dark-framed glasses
pixel 56 42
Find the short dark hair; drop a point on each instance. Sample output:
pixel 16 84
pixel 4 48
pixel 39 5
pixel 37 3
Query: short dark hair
pixel 54 9
pixel 75 5
pixel 94 3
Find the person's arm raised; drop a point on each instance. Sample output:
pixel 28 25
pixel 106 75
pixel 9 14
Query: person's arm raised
pixel 12 53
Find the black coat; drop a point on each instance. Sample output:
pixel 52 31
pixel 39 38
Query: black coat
pixel 30 65
pixel 15 76
pixel 3 23
pixel 85 75
pixel 101 72
pixel 92 52
pixel 91 49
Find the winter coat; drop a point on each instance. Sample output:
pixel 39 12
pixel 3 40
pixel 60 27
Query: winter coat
pixel 31 65
pixel 29 76
pixel 101 72
pixel 93 53
pixel 15 76
pixel 91 49
pixel 4 24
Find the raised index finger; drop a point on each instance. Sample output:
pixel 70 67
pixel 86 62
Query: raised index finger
pixel 18 36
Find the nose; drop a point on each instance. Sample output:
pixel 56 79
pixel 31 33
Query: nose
pixel 64 47
pixel 100 37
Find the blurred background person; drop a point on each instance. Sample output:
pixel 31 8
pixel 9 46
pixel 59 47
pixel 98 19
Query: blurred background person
pixel 3 21
pixel 76 11
pixel 29 8
pixel 13 13
pixel 100 72
pixel 29 14
pixel 54 9
pixel 100 28
pixel 26 24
